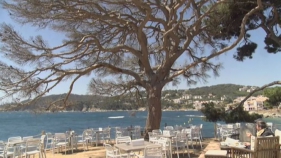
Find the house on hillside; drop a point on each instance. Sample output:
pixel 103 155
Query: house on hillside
pixel 197 105
pixel 177 100
pixel 238 100
pixel 243 88
pixel 254 103
pixel 186 96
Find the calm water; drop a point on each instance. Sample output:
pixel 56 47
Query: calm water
pixel 26 124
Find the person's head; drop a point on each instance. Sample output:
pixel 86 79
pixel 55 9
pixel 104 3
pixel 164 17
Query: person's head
pixel 260 125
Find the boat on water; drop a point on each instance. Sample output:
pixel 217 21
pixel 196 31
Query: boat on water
pixel 116 117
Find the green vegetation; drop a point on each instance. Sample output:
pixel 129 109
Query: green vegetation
pixel 274 96
pixel 87 102
pixel 214 113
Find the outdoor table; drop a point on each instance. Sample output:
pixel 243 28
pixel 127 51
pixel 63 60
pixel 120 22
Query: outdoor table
pixel 216 154
pixel 228 149
pixel 129 147
pixel 17 145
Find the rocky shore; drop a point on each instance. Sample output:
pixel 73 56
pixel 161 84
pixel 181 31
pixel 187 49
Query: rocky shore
pixel 274 113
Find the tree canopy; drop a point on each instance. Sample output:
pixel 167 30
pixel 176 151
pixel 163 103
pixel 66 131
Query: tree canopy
pixel 126 45
pixel 214 113
pixel 274 95
pixel 268 19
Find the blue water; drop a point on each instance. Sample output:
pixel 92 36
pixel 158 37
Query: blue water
pixel 28 124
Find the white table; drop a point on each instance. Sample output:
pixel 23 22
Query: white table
pixel 129 147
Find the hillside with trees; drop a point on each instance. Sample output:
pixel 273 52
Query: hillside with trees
pixel 91 102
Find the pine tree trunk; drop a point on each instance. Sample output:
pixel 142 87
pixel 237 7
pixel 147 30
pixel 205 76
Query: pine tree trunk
pixel 154 109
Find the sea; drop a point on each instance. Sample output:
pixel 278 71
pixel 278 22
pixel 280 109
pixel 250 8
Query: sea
pixel 31 124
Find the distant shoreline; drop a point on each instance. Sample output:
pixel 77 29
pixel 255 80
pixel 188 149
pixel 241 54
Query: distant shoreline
pixel 272 113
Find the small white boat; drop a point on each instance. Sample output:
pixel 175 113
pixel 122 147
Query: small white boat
pixel 116 117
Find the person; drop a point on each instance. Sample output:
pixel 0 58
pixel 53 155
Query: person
pixel 262 131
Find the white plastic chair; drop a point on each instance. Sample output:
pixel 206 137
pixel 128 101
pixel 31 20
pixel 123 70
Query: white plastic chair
pixel 110 152
pixel 118 132
pixel 152 151
pixel 169 128
pixel 14 145
pixel 157 131
pixel 180 141
pixel 125 139
pixel 60 140
pixel 48 141
pixel 168 132
pixel 88 136
pixel 137 132
pixel 165 143
pixel 14 139
pixel 152 137
pixel 3 151
pixel 33 147
pixel 105 135
pixel 195 135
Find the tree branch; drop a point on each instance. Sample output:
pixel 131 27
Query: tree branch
pixel 259 89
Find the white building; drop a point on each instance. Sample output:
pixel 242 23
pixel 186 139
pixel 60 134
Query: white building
pixel 254 103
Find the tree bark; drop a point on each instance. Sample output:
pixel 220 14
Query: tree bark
pixel 154 109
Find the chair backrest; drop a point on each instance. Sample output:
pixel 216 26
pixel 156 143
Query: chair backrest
pixel 278 133
pixel 33 145
pixel 180 137
pixel 168 132
pixel 49 135
pixel 269 125
pixel 88 134
pixel 266 147
pixel 157 131
pixel 109 150
pixel 49 140
pixel 14 139
pixel 26 138
pixel 164 142
pixel 169 128
pixel 2 148
pixel 152 151
pixel 106 132
pixel 60 137
pixel 237 125
pixel 230 126
pixel 195 132
pixel 125 139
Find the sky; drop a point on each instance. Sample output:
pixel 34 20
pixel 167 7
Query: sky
pixel 262 69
